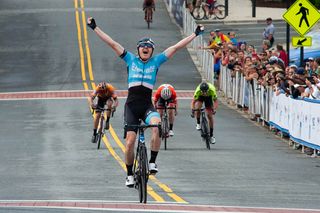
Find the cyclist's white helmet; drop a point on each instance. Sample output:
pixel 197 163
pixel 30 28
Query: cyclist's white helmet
pixel 166 93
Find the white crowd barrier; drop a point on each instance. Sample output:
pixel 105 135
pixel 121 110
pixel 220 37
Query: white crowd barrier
pixel 204 57
pixel 300 119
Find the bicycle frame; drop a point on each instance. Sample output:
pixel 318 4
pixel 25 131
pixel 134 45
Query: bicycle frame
pixel 101 131
pixel 165 123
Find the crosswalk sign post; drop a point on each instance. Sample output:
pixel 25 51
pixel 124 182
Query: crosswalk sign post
pixel 302 16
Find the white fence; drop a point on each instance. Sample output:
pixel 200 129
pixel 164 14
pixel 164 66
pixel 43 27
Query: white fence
pixel 204 57
pixel 299 119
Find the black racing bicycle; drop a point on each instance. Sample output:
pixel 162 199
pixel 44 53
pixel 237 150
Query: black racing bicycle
pixel 102 123
pixel 205 131
pixel 141 165
pixel 165 123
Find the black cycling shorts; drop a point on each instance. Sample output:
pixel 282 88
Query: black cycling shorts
pixel 207 101
pixel 161 102
pixel 134 112
pixel 101 103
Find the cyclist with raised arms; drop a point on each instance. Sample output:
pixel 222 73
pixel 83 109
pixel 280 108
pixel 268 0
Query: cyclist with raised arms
pixel 166 93
pixel 106 96
pixel 142 71
pixel 205 92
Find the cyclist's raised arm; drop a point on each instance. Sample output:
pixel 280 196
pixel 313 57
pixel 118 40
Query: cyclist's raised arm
pixel 105 37
pixel 170 51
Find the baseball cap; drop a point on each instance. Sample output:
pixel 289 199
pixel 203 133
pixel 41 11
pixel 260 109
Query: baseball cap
pixel 300 71
pixel 310 59
pixel 293 66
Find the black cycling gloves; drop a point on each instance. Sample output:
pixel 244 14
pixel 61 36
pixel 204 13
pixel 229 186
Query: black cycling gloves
pixel 199 30
pixel 92 24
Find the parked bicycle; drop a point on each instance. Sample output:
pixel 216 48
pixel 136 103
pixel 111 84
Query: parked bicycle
pixel 205 133
pixel 102 123
pixel 202 10
pixel 141 165
pixel 165 123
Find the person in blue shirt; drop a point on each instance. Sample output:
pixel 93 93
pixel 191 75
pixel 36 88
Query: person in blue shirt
pixel 142 71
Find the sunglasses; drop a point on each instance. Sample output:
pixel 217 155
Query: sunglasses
pixel 146 45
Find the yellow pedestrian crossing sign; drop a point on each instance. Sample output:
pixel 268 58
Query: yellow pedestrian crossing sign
pixel 302 16
pixel 302 41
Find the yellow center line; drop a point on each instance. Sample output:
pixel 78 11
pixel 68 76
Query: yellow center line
pixel 83 74
pixel 150 190
pixel 163 186
pixel 85 34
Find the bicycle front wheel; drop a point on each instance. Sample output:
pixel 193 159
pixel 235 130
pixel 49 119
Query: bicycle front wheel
pixel 198 13
pixel 99 137
pixel 165 131
pixel 143 175
pixel 220 11
pixel 205 131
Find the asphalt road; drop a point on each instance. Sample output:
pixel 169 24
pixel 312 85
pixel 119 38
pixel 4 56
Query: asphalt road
pixel 46 152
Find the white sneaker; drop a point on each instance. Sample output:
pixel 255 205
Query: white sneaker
pixel 198 127
pixel 130 181
pixel 153 169
pixel 212 140
pixel 171 133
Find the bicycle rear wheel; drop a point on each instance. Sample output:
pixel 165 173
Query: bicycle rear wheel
pixel 142 187
pixel 220 11
pixel 198 13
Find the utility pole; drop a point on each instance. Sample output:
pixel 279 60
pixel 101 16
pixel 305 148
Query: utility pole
pixel 254 5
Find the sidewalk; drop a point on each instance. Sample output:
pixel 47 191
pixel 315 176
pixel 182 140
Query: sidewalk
pixel 241 11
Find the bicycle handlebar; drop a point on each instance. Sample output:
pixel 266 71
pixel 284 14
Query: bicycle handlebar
pixel 142 127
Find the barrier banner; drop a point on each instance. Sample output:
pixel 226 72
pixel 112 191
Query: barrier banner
pixel 299 118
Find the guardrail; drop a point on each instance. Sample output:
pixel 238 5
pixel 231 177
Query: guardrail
pixel 297 118
pixel 204 57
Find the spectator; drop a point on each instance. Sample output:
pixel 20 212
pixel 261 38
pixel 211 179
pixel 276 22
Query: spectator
pixel 282 54
pixel 313 88
pixel 221 38
pixel 268 33
pixel 311 66
pixel 317 63
pixel 265 45
pixel 233 39
pixel 189 5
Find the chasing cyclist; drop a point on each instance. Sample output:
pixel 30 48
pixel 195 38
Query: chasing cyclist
pixel 148 4
pixel 106 96
pixel 205 92
pixel 142 71
pixel 166 93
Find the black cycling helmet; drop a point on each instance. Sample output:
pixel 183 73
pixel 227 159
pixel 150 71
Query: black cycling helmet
pixel 204 87
pixel 145 42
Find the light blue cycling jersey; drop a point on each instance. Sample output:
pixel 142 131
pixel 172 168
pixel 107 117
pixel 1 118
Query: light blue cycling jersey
pixel 140 73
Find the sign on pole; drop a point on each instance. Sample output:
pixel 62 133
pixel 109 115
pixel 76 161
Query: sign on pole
pixel 302 41
pixel 302 16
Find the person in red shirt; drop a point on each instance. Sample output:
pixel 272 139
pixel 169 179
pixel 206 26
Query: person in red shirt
pixel 106 96
pixel 166 94
pixel 282 54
